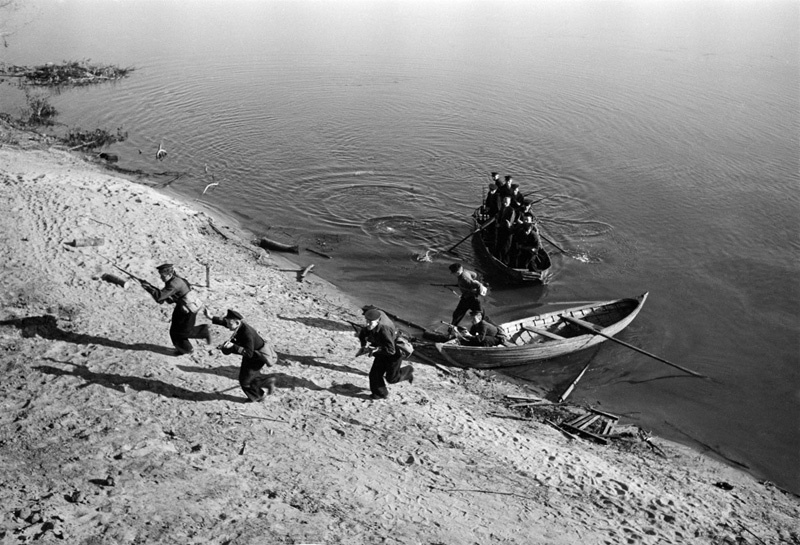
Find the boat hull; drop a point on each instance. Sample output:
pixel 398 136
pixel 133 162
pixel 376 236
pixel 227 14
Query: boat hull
pixel 610 317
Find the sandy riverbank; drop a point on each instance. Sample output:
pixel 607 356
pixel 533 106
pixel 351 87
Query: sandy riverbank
pixel 106 438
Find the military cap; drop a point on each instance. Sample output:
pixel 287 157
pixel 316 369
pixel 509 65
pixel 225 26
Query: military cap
pixel 454 267
pixel 233 315
pixel 166 268
pixel 372 314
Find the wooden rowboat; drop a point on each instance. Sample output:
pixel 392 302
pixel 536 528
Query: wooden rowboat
pixel 546 335
pixel 510 273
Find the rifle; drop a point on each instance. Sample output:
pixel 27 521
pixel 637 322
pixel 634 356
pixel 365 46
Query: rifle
pixel 462 333
pixel 142 282
pixel 356 327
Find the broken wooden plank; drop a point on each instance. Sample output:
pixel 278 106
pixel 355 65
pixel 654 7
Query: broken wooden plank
pixel 585 433
pixel 559 428
pixel 589 422
pixel 524 398
pixel 529 403
pixel 576 421
pixel 608 427
pixel 614 417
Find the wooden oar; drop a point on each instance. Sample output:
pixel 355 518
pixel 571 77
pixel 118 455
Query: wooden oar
pixel 542 199
pixel 593 329
pixel 478 230
pixel 572 386
pixel 548 239
pixel 401 320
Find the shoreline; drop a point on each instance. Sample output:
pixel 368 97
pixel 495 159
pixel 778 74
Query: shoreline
pixel 444 459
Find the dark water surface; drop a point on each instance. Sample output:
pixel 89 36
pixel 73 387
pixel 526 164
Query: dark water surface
pixel 665 134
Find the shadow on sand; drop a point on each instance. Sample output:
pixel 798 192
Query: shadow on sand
pixel 121 382
pixel 46 327
pixel 321 323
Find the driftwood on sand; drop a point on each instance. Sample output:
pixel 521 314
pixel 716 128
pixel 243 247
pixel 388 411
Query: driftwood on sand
pixel 270 244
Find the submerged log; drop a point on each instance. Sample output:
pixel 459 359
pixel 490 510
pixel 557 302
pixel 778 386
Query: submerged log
pixel 269 244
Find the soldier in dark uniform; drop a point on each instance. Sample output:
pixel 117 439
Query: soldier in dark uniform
pixel 490 204
pixel 526 243
pixel 517 198
pixel 256 353
pixel 471 291
pixel 506 217
pixel 482 333
pixel 178 291
pixel 380 334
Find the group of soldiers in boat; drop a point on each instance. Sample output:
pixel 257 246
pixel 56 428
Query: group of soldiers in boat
pixel 511 231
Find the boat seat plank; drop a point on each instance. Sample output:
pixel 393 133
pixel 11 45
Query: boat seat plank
pixel 543 332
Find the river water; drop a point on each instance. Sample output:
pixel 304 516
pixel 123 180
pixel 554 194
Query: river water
pixel 665 135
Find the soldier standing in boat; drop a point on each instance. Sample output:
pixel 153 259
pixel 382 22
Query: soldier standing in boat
pixel 525 242
pixel 378 339
pixel 471 291
pixel 506 217
pixel 178 291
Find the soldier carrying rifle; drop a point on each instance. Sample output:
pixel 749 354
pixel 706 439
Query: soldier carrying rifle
pixel 255 352
pixel 179 292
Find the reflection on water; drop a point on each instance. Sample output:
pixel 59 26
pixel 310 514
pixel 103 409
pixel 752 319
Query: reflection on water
pixel 666 161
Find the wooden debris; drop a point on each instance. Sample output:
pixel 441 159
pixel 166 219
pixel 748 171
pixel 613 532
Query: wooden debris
pixel 115 280
pixel 326 256
pixel 572 385
pixel 561 429
pixel 498 415
pixel 305 272
pixel 269 244
pixel 587 434
pixel 90 241
pixel 601 424
pixel 613 417
pixel 591 420
pixel 524 398
pixel 529 403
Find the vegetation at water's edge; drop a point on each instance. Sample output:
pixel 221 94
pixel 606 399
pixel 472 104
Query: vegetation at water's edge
pixel 67 73
pixel 39 110
pixel 98 138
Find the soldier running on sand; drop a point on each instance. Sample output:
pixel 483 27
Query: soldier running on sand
pixel 178 291
pixel 255 351
pixel 378 340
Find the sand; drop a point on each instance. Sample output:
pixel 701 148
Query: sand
pixel 108 438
